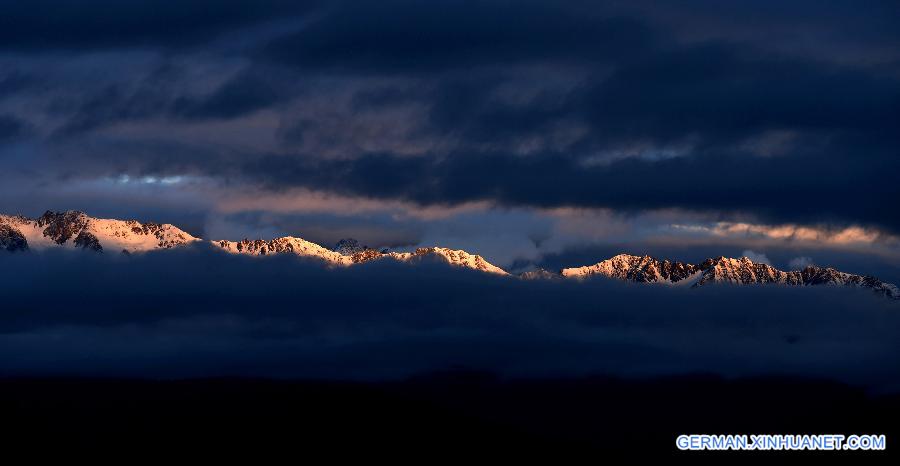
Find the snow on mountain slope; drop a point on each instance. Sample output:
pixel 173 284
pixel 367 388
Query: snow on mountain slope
pixel 743 271
pixel 355 254
pixel 643 269
pixel 456 257
pixel 75 229
pixel 284 245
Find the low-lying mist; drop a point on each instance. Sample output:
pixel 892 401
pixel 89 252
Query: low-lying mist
pixel 198 312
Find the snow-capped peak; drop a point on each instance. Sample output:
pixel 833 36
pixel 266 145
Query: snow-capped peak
pixel 742 271
pixel 455 257
pixel 634 268
pixel 285 244
pixel 75 229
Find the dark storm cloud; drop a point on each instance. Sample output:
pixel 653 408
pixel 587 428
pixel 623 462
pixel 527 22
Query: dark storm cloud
pixel 113 104
pixel 12 128
pixel 410 36
pixel 850 185
pixel 237 97
pixel 643 82
pixel 532 103
pixel 85 24
pixel 161 95
pixel 13 81
pixel 201 312
pixel 251 89
pixel 723 93
pixel 468 109
pixel 642 85
pixel 838 29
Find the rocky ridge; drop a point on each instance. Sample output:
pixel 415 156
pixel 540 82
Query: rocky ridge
pixel 742 271
pixel 76 230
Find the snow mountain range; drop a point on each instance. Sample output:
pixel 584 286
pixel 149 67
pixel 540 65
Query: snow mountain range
pixel 76 230
pixel 743 271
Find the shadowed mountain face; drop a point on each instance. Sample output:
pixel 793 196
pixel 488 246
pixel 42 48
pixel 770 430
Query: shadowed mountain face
pixel 78 230
pixel 11 239
pixel 349 247
pixel 60 226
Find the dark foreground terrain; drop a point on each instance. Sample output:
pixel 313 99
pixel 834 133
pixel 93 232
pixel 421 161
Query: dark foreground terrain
pixel 455 415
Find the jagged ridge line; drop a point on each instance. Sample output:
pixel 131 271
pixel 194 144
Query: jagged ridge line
pixel 60 227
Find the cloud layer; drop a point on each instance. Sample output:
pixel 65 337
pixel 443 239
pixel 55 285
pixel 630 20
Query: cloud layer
pixel 198 312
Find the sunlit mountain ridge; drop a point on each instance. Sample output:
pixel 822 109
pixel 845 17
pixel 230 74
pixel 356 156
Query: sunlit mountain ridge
pixel 76 230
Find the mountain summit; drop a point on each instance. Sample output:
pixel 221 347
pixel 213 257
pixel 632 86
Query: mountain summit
pixel 74 229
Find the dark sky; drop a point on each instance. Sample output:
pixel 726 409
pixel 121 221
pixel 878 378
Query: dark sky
pixel 525 131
